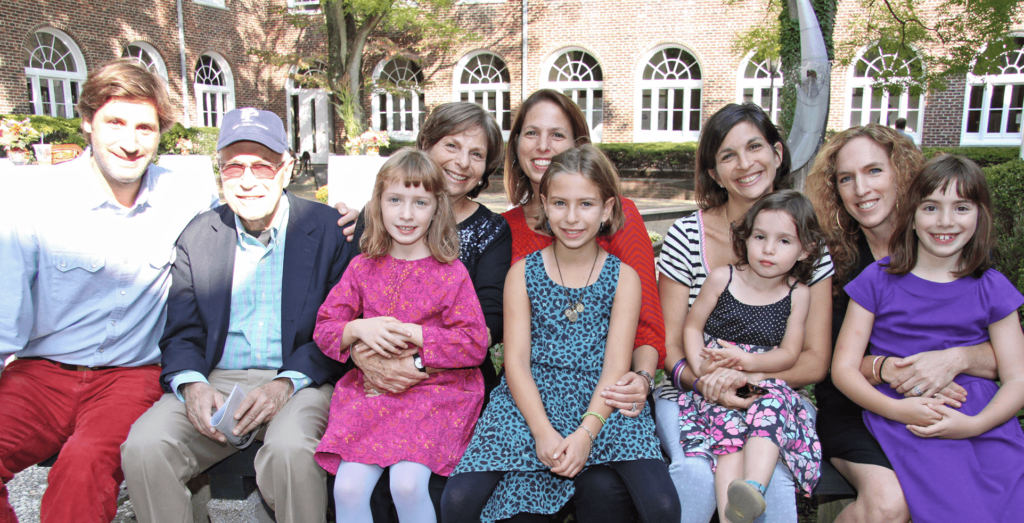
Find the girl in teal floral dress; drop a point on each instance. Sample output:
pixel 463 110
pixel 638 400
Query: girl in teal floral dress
pixel 751 316
pixel 571 311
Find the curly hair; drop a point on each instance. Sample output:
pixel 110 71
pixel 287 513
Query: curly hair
pixel 458 117
pixel 708 193
pixel 842 232
pixel 517 187
pixel 591 163
pixel 412 167
pixel 807 230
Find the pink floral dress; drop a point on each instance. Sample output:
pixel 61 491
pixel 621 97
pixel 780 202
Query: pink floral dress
pixel 431 422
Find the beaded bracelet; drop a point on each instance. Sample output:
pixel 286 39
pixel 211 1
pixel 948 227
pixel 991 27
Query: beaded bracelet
pixel 593 440
pixel 677 372
pixel 588 413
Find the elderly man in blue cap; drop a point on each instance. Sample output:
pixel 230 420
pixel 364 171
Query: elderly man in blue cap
pixel 247 282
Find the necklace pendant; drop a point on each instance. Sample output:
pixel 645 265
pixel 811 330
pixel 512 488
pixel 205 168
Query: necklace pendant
pixel 579 306
pixel 571 314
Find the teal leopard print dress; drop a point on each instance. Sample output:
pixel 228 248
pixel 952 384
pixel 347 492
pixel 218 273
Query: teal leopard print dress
pixel 565 359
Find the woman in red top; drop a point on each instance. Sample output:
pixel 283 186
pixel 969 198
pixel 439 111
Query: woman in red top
pixel 548 123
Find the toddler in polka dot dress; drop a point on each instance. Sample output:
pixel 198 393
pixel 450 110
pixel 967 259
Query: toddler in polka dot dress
pixel 750 318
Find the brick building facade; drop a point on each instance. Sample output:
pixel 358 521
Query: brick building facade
pixel 641 70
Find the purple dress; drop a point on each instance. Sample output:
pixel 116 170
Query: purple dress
pixel 978 479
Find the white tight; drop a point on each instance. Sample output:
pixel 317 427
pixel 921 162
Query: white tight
pixel 355 482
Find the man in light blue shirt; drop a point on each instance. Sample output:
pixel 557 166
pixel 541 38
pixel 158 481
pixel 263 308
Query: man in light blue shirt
pixel 85 263
pixel 248 280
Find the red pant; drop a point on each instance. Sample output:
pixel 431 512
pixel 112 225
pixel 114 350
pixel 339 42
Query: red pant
pixel 84 415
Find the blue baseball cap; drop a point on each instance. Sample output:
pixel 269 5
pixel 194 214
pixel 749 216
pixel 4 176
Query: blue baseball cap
pixel 253 125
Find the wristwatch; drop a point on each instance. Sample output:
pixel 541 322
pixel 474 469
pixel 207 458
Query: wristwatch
pixel 650 380
pixel 418 362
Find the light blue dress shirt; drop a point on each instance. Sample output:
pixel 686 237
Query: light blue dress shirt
pixel 254 327
pixel 84 279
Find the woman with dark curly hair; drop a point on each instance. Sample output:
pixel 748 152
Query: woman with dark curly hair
pixel 857 181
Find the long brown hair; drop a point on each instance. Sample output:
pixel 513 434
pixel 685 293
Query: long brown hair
pixel 414 168
pixel 807 229
pixel 971 185
pixel 708 193
pixel 517 186
pixel 592 164
pixel 842 232
pixel 457 117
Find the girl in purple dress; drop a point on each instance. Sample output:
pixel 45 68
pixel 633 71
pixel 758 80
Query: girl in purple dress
pixel 759 305
pixel 939 290
pixel 406 295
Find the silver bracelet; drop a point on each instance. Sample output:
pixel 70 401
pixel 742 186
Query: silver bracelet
pixel 593 440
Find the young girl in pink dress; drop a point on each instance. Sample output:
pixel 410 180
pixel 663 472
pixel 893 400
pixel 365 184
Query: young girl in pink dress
pixel 406 294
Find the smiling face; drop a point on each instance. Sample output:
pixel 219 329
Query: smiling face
pixel 407 213
pixel 944 223
pixel 575 210
pixel 463 158
pixel 546 132
pixel 866 182
pixel 774 247
pixel 124 135
pixel 254 200
pixel 745 163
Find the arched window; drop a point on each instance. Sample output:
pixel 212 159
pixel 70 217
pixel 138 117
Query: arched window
pixel 668 97
pixel 483 78
pixel 760 82
pixel 148 56
pixel 398 103
pixel 55 70
pixel 992 112
pixel 871 103
pixel 215 89
pixel 577 74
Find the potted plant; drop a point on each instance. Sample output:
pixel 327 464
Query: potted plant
pixel 15 137
pixel 368 143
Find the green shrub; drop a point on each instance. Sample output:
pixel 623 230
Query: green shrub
pixel 54 129
pixel 394 146
pixel 654 156
pixel 1006 181
pixel 204 138
pixel 983 156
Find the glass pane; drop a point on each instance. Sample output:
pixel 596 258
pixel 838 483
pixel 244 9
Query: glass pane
pixel 912 117
pixel 31 96
pixel 662 109
pixel 973 121
pixel 995 113
pixel 598 108
pixel 59 99
pixel 1014 115
pixel 748 95
pixel 74 97
pixel 645 110
pixel 44 96
pixel 976 96
pixel 695 109
pixel 855 118
pixel 506 113
pixel 408 113
pixel 464 97
pixel 857 101
pixel 679 106
pixel 998 93
pixel 382 101
pixel 766 99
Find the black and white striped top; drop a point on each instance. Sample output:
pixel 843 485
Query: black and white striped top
pixel 683 260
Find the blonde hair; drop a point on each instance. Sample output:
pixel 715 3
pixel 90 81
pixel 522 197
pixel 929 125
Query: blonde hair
pixel 591 163
pixel 842 231
pixel 414 168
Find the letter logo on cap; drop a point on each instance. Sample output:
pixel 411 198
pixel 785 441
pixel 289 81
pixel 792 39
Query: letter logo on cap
pixel 248 113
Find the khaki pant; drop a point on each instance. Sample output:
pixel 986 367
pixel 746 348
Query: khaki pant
pixel 164 451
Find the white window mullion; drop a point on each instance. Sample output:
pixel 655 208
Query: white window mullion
pixel 986 106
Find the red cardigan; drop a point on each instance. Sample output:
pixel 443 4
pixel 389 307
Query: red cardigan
pixel 632 245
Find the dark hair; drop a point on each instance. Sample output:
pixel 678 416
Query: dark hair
pixel 456 117
pixel 517 187
pixel 901 123
pixel 807 229
pixel 709 193
pixel 971 185
pixel 592 164
pixel 125 78
pixel 414 168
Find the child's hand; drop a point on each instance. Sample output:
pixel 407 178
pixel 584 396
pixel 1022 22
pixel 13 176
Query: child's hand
pixel 383 334
pixel 917 411
pixel 728 350
pixel 572 454
pixel 547 448
pixel 953 425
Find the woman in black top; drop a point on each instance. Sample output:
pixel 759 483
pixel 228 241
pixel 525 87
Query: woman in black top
pixel 855 184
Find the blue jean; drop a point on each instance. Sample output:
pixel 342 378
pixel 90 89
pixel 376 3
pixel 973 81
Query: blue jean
pixel 695 482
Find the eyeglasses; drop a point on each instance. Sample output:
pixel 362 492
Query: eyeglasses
pixel 262 171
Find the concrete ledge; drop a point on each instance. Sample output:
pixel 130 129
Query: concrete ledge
pixel 248 510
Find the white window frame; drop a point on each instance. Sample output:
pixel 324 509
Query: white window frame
pixel 868 84
pixel 757 85
pixel 688 85
pixel 416 109
pixel 225 94
pixel 482 93
pixel 304 6
pixel 989 82
pixel 69 82
pixel 578 87
pixel 220 4
pixel 156 64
